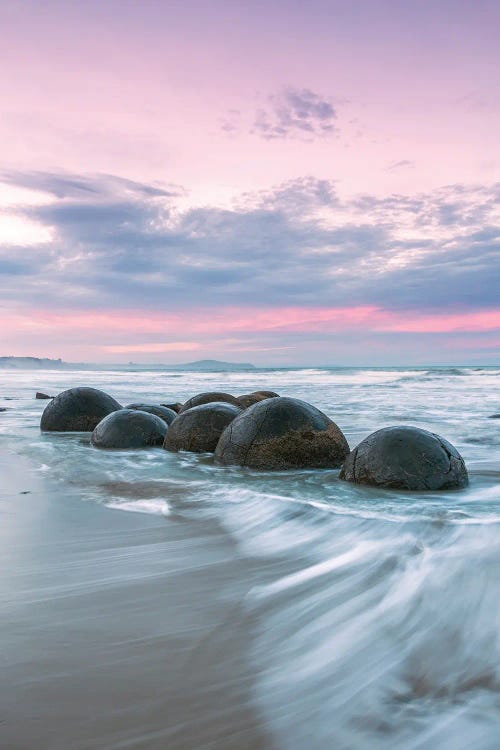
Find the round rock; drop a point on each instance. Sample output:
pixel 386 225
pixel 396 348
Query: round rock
pixel 208 398
pixel 198 429
pixel 77 410
pixel 175 407
pixel 168 415
pixel 406 458
pixel 282 433
pixel 129 428
pixel 249 399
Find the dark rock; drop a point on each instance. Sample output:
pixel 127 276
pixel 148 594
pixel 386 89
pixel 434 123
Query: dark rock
pixel 282 433
pixel 77 410
pixel 42 396
pixel 3 408
pixel 406 458
pixel 198 429
pixel 208 398
pixel 168 415
pixel 249 399
pixel 129 428
pixel 175 407
pixel 494 416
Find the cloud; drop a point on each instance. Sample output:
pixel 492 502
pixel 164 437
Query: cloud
pixel 403 164
pixel 121 246
pixel 62 185
pixel 295 113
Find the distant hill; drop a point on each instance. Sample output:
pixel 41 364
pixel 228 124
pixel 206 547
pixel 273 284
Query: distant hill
pixel 31 363
pixel 36 363
pixel 213 365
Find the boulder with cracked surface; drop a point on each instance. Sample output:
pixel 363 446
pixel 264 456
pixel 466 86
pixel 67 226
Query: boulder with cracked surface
pixel 282 433
pixel 407 458
pixel 208 398
pixel 198 429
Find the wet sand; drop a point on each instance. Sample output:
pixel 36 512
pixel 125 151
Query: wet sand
pixel 119 630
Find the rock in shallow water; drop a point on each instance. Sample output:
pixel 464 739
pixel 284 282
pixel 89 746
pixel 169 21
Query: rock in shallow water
pixel 406 458
pixel 129 428
pixel 282 433
pixel 77 410
pixel 168 415
pixel 198 429
pixel 208 398
pixel 249 399
pixel 175 406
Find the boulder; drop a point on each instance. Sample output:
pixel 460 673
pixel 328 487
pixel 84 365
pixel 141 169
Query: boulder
pixel 168 415
pixel 175 407
pixel 249 399
pixel 406 458
pixel 208 398
pixel 494 416
pixel 198 429
pixel 282 433
pixel 129 428
pixel 77 410
pixel 42 396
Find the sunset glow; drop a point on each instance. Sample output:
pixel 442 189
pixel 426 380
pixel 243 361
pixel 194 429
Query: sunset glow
pixel 280 197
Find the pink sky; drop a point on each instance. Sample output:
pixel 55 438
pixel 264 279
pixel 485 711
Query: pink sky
pixel 396 100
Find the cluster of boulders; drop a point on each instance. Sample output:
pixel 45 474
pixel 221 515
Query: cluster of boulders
pixel 261 430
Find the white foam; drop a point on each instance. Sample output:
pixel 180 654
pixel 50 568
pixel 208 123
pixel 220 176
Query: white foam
pixel 153 506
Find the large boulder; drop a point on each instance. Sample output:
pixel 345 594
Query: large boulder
pixel 129 428
pixel 208 398
pixel 77 410
pixel 168 415
pixel 198 429
pixel 249 399
pixel 282 433
pixel 406 458
pixel 175 406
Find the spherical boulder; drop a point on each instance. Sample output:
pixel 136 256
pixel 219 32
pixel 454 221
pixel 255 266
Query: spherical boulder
pixel 168 415
pixel 282 433
pixel 129 428
pixel 175 407
pixel 249 399
pixel 208 398
pixel 77 410
pixel 198 429
pixel 406 458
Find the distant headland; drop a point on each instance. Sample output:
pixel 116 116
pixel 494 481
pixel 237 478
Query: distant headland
pixel 37 363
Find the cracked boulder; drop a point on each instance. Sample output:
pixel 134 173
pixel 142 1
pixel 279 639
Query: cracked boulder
pixel 198 429
pixel 282 433
pixel 208 398
pixel 249 399
pixel 164 412
pixel 406 458
pixel 77 410
pixel 129 428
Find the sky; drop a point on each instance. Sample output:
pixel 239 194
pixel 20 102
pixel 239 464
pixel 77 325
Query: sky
pixel 281 183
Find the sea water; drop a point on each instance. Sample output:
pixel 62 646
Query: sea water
pixel 383 628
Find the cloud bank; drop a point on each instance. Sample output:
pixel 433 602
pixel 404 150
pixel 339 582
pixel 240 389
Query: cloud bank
pixel 292 260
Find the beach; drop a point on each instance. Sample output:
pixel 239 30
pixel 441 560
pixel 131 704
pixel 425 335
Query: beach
pixel 153 600
pixel 119 630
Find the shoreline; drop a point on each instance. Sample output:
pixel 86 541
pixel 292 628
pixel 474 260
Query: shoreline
pixel 120 630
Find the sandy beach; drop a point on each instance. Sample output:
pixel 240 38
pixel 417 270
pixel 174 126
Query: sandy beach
pixel 119 630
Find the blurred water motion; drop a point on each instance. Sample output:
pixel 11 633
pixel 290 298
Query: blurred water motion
pixel 366 618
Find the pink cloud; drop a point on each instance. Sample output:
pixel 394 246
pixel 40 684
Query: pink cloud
pixel 117 331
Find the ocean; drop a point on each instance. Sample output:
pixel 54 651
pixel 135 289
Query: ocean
pixel 380 625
